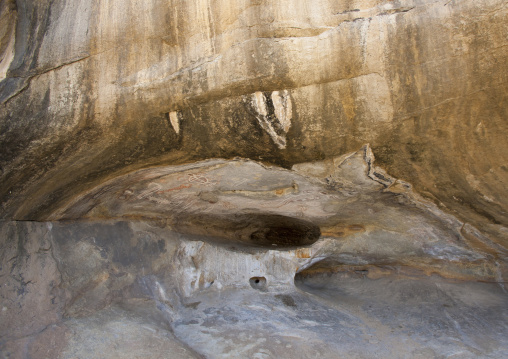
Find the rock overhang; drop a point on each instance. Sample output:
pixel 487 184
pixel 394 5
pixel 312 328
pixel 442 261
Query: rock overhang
pixel 108 114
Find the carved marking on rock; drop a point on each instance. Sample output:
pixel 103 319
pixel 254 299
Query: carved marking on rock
pixel 199 178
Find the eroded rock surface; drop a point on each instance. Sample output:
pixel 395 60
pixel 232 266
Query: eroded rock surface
pixel 234 258
pixel 99 89
pixel 363 215
pixel 191 179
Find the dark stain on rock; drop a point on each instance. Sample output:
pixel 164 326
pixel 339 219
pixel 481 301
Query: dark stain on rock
pixel 193 305
pixel 112 240
pixel 286 299
pixel 380 176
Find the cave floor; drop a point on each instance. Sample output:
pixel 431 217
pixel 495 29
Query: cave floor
pixel 326 316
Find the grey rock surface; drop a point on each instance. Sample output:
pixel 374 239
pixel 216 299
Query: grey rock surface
pixel 185 303
pixel 168 262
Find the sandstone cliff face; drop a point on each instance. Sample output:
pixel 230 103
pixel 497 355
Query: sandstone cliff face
pixel 253 178
pixel 96 89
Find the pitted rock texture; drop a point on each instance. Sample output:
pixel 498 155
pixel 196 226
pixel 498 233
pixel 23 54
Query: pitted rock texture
pixel 97 89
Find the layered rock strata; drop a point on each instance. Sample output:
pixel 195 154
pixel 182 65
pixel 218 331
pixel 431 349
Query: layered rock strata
pixel 191 178
pixel 95 90
pixel 231 258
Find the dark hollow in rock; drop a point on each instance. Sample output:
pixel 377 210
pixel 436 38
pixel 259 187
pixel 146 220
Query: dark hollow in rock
pixel 252 229
pixel 258 282
pixel 284 231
